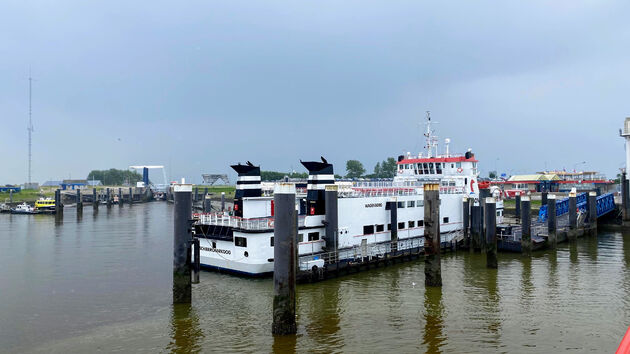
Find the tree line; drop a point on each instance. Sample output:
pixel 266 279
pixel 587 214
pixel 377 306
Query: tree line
pixel 115 177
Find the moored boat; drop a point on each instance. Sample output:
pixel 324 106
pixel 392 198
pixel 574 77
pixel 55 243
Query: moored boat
pixel 243 242
pixel 24 208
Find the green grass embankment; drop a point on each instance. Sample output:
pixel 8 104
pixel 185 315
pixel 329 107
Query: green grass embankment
pixel 27 195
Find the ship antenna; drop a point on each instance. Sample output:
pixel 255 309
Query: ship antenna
pixel 431 140
pixel 30 125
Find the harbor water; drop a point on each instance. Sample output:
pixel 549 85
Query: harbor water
pixel 102 282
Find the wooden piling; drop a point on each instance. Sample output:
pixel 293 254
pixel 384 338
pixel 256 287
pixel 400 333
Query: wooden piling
pixel 432 262
pixel 526 222
pixel 543 198
pixel 518 205
pixel 475 227
pixel 625 195
pixel 130 196
pixel 79 201
pixel 207 203
pixel 120 198
pixel 393 220
pixel 94 199
pixel 552 222
pixel 332 217
pixel 182 290
pixel 592 213
pixel 572 233
pixel 465 222
pixel 108 198
pixel 491 232
pixel 285 260
pixel 222 201
pixel 483 195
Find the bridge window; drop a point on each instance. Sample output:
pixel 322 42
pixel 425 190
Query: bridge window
pixel 459 165
pixel 411 204
pixel 401 205
pixel 380 228
pixel 419 168
pixel 438 168
pixel 313 236
pixel 240 241
pixel 368 229
pixel 426 168
pixel 431 168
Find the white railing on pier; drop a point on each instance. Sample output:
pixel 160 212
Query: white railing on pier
pixel 220 219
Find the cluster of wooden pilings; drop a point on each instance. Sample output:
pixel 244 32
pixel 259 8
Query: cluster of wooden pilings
pixel 110 197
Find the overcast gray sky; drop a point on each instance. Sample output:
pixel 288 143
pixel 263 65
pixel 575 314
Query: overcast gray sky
pixel 198 85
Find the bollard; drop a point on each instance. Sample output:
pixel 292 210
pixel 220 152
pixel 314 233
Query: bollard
pixel 552 224
pixel 120 199
pixel 465 221
pixel 526 226
pixel 518 205
pixel 195 247
pixel 222 201
pixel 543 198
pixel 94 199
pixel 491 233
pixel 108 198
pixel 181 247
pixel 130 195
pixel 393 216
pixel 592 213
pixel 572 234
pixel 332 217
pixel 432 266
pixel 79 201
pixel 285 259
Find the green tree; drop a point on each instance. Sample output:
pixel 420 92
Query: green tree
pixel 492 174
pixel 388 168
pixel 115 177
pixel 377 170
pixel 354 169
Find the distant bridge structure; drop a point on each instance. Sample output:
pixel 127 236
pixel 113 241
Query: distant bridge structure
pixel 211 179
pixel 145 177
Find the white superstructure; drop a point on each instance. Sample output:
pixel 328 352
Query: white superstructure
pixel 243 242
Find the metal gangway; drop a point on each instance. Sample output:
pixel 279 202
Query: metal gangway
pixel 605 203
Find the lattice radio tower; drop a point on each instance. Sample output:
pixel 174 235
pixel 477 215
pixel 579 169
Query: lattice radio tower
pixel 30 125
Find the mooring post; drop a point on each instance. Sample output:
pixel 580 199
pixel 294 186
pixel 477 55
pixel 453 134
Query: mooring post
pixel 196 265
pixel 94 199
pixel 332 217
pixel 59 203
pixel 518 205
pixel 222 201
pixel 592 213
pixel 432 263
pixel 625 195
pixel 393 222
pixel 526 226
pixel 475 227
pixel 285 259
pixel 130 195
pixel 196 194
pixel 181 244
pixel 207 203
pixel 543 198
pixel 552 224
pixel 572 234
pixel 465 221
pixel 120 199
pixel 79 201
pixel 483 195
pixel 109 199
pixel 491 233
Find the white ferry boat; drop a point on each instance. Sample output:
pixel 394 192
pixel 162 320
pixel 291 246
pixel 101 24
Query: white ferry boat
pixel 243 241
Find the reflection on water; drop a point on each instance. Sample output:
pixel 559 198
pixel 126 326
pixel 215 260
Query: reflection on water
pixel 104 282
pixel 433 336
pixel 186 333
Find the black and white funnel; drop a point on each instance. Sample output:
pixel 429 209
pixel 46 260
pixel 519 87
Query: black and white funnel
pixel 247 185
pixel 320 174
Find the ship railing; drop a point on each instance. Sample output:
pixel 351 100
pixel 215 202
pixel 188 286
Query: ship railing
pixel 222 219
pixel 363 251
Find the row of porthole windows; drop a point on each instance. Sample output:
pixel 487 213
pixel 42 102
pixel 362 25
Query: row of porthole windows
pixel 242 241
